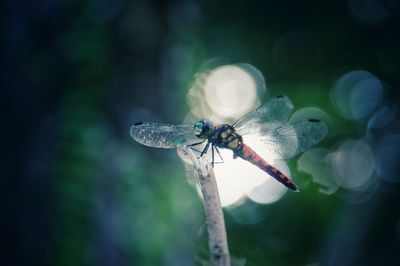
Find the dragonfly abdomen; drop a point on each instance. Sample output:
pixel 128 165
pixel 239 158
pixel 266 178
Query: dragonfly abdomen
pixel 250 155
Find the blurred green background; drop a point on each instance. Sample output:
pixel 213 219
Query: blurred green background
pixel 77 190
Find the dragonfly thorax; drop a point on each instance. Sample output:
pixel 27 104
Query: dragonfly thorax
pixel 203 129
pixel 226 137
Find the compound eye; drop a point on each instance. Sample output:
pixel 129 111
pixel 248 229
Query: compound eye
pixel 198 124
pixel 198 127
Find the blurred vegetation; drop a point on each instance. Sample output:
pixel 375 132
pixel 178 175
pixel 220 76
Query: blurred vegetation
pixel 76 74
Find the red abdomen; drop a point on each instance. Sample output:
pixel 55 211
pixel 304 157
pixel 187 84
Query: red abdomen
pixel 248 154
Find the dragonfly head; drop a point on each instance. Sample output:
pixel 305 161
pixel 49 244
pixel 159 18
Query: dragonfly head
pixel 203 129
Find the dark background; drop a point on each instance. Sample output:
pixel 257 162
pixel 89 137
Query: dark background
pixel 76 190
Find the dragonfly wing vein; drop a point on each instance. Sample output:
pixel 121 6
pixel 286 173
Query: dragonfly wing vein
pixel 162 135
pixel 293 138
pixel 275 111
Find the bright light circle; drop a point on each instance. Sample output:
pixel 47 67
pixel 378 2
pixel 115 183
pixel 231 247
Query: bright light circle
pixel 353 164
pixel 316 162
pixel 270 190
pixel 230 91
pixel 356 94
pixel 235 177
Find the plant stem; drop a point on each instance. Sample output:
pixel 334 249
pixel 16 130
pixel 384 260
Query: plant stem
pixel 217 240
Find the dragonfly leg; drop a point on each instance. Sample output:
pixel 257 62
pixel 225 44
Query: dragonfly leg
pixel 194 149
pixel 212 155
pixel 195 144
pixel 205 149
pixel 213 162
pixel 219 154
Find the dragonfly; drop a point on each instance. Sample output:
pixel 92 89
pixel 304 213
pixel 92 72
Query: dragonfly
pixel 269 122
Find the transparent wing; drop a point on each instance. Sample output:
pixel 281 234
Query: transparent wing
pixel 162 135
pixel 275 112
pixel 293 138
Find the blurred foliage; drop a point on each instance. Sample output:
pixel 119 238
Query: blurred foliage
pixel 78 191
